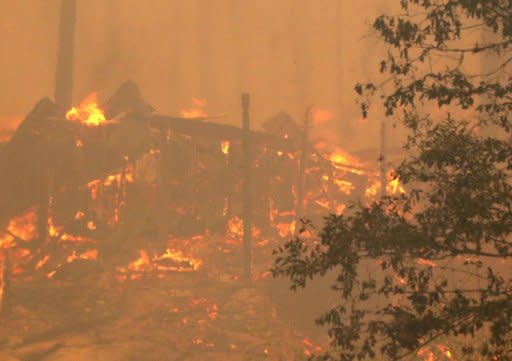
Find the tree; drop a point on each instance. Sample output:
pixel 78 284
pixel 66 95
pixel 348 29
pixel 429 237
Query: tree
pixel 428 270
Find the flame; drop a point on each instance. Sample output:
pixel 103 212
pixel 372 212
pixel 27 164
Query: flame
pixel 170 261
pixel 197 111
pixel 286 229
pixel 141 263
pixel 427 353
pixel 445 351
pixel 87 112
pixel 110 180
pixel 373 189
pixel 344 186
pixel 395 187
pixel 179 258
pixel 22 227
pixel 341 159
pixel 224 146
pixel 91 254
pixel 53 231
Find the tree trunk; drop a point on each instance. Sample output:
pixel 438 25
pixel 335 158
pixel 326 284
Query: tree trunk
pixel 65 55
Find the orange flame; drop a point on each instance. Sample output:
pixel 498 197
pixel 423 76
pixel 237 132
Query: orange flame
pixel 224 146
pixel 23 227
pixel 178 257
pixel 87 112
pixel 91 254
pixel 197 111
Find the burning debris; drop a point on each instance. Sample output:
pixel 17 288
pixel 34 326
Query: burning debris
pixel 125 194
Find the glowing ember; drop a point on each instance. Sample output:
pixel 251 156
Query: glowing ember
pixel 87 112
pixel 236 227
pixel 42 262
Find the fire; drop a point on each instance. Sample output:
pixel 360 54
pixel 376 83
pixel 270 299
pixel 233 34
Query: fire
pixel 91 254
pixel 110 180
pixel 53 231
pixel 236 227
pixel 197 111
pixel 171 260
pixel 224 146
pixel 344 186
pixel 180 260
pixel 341 159
pixel 141 263
pixel 429 353
pixel 88 112
pixel 395 187
pixel 286 229
pixel 22 227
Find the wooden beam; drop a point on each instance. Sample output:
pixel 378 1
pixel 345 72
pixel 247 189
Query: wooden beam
pixel 202 128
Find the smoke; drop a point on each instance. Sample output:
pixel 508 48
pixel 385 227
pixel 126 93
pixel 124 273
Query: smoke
pixel 282 52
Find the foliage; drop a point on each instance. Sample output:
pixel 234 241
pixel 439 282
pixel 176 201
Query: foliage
pixel 429 265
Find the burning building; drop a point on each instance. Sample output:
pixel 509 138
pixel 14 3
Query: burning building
pixel 119 216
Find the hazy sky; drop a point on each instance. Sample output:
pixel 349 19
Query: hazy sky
pixel 284 52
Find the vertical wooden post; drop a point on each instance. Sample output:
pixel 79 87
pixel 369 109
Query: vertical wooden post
pixel 247 201
pixel 301 182
pixel 45 190
pixel 5 302
pixel 65 55
pixel 383 159
pixel 163 184
pixel 228 182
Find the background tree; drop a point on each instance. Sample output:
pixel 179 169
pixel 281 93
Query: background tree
pixel 428 273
